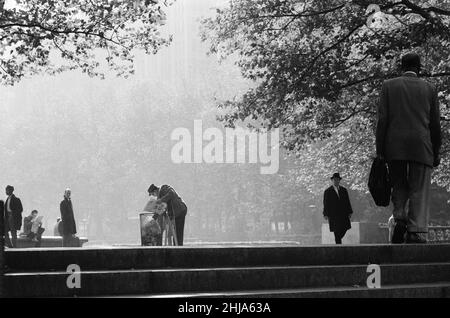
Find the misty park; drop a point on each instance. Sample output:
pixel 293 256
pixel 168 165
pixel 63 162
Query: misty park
pixel 92 92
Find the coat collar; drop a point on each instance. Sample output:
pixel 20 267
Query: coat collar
pixel 332 188
pixel 410 74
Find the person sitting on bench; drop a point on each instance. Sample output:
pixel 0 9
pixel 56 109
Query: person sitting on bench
pixel 32 227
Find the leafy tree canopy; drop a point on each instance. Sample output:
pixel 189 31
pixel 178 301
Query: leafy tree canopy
pixel 32 30
pixel 318 67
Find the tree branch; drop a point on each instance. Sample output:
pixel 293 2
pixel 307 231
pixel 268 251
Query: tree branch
pixel 299 15
pixel 438 11
pixel 53 31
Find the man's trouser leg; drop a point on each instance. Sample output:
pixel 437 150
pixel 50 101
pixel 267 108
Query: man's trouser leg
pixel 179 228
pixel 14 238
pixel 419 180
pixel 66 240
pixel 6 222
pixel 398 172
pixel 338 235
pixel 7 240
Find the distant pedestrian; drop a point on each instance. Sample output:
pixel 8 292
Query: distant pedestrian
pixel 69 228
pixel 12 216
pixel 337 208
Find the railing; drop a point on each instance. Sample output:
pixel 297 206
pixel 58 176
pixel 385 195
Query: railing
pixel 436 233
pixel 305 239
pixel 439 234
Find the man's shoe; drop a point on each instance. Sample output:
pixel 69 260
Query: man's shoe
pixel 399 232
pixel 414 238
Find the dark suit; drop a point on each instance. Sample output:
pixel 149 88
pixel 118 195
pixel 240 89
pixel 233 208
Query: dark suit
pixel 69 227
pixel 337 209
pixel 176 208
pixel 13 219
pixel 409 137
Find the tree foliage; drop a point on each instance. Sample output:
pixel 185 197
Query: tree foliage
pixel 318 68
pixel 58 35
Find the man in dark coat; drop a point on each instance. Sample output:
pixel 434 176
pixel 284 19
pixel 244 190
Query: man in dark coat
pixel 12 216
pixel 337 208
pixel 69 228
pixel 176 208
pixel 408 137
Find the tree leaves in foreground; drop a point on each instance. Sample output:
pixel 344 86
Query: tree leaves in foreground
pixel 58 35
pixel 318 67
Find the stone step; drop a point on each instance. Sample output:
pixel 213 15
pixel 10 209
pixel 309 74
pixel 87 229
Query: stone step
pixel 190 280
pixel 434 290
pixel 219 256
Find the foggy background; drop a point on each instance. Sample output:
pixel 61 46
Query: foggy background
pixel 108 140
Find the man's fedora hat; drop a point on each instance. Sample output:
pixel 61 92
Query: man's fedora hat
pixel 336 175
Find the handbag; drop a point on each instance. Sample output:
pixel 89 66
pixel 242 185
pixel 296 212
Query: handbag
pixel 379 183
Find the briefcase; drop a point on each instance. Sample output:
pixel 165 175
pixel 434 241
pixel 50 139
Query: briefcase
pixel 379 183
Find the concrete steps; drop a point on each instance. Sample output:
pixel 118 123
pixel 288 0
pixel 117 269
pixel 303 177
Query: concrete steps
pixel 273 271
pixel 220 256
pixel 435 290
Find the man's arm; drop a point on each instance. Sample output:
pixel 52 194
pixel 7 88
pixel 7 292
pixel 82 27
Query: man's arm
pixel 167 197
pixel 19 206
pixel 382 115
pixel 435 128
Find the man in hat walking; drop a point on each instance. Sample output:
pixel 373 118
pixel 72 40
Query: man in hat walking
pixel 408 137
pixel 337 208
pixel 13 216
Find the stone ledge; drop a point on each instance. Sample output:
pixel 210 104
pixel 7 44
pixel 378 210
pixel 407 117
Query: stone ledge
pixel 47 241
